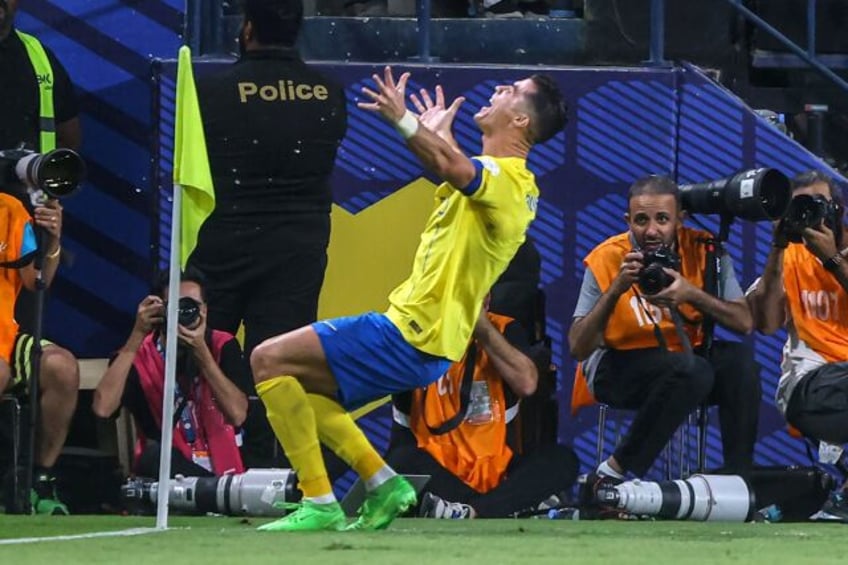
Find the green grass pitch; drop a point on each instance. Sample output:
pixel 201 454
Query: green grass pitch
pixel 208 540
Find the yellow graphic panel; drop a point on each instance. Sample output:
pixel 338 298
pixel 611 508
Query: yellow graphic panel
pixel 371 252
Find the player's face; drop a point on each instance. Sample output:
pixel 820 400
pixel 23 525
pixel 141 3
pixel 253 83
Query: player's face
pixel 653 220
pixel 507 104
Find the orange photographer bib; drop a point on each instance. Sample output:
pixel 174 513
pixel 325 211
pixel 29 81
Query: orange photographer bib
pixel 476 450
pixel 817 303
pixel 13 219
pixel 631 325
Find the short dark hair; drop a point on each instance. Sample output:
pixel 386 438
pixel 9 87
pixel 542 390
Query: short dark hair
pixel 275 22
pixel 191 274
pixel 550 112
pixel 654 184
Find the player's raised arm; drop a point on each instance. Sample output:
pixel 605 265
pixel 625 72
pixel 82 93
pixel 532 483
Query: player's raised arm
pixel 438 155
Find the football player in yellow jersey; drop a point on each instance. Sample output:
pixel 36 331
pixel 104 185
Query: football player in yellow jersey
pixel 309 378
pixel 803 288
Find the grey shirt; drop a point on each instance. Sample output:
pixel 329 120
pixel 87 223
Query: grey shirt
pixel 590 293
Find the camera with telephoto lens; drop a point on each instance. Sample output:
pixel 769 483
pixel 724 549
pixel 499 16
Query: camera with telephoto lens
pixel 54 174
pixel 755 195
pixel 188 312
pixel 256 492
pixel 722 498
pixel 652 277
pixel 808 211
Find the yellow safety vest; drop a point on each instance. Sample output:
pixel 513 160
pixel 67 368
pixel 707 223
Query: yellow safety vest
pixel 44 75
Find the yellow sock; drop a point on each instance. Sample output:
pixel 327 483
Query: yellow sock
pixel 293 422
pixel 338 431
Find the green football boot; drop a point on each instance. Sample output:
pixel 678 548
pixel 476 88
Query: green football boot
pixel 309 517
pixel 384 504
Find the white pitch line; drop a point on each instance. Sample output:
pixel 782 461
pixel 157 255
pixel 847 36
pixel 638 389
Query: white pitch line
pixel 119 533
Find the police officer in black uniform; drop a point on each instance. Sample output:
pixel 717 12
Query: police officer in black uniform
pixel 273 126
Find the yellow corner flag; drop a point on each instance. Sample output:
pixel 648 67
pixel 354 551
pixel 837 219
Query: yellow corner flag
pixel 191 165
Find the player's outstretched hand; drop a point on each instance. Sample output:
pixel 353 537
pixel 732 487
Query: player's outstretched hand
pixel 389 100
pixel 434 115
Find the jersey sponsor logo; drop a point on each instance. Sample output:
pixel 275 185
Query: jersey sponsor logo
pixel 532 202
pixel 283 91
pixel 415 327
pixel 44 79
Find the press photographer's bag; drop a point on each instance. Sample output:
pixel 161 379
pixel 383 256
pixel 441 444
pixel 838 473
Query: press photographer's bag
pixel 799 492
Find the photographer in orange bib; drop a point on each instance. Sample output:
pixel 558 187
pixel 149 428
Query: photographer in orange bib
pixel 638 325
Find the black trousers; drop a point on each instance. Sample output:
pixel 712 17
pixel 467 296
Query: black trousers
pixel 818 406
pixel 530 479
pixel 265 274
pixel 665 387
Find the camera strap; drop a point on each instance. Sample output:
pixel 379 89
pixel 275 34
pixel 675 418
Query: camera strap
pixel 181 407
pixel 678 327
pixel 464 395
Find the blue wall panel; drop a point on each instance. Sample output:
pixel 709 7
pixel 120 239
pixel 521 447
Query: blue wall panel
pixel 107 46
pixel 624 123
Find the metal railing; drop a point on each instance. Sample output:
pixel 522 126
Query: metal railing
pixel 808 55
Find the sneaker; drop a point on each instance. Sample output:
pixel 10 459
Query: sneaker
pixel 43 498
pixel 433 506
pixel 309 517
pixel 835 509
pixel 384 504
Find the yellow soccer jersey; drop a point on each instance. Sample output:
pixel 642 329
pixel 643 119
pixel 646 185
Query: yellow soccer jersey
pixel 470 238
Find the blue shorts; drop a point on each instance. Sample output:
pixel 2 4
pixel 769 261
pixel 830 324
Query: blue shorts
pixel 370 359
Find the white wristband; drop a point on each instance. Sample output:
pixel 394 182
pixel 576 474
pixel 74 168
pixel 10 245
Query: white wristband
pixel 407 125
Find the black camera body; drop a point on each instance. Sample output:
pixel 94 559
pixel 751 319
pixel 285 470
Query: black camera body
pixel 808 211
pixel 188 312
pixel 652 277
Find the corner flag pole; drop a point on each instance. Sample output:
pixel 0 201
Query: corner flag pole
pixel 167 439
pixel 194 200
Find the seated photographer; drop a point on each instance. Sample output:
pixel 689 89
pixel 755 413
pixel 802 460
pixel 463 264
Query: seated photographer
pixel 58 370
pixel 209 399
pixel 803 289
pixel 638 328
pixel 459 430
